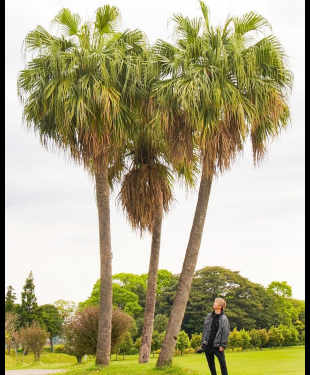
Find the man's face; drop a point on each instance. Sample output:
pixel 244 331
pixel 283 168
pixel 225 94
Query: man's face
pixel 216 305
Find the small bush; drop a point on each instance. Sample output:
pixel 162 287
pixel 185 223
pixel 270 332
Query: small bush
pixel 33 338
pixel 189 351
pixel 81 331
pixel 58 349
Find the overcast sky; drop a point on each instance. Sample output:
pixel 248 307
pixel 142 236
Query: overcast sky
pixel 256 216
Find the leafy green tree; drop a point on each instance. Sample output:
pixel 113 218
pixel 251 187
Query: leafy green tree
pixel 10 299
pixel 127 346
pixel 238 291
pixel 52 321
pixel 299 326
pixel 160 323
pixel 272 312
pixel 65 308
pixel 196 341
pixel 290 334
pixel 245 339
pixel 283 303
pixel 28 310
pixel 284 292
pixel 264 337
pixel 134 283
pixel 229 86
pixel 156 342
pixel 300 307
pixel 281 288
pixel 165 299
pixel 255 339
pixel 164 280
pixel 234 339
pixel 75 93
pixel 126 300
pixel 276 337
pixel 183 341
pixel 122 298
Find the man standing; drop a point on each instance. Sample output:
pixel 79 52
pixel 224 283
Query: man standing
pixel 215 334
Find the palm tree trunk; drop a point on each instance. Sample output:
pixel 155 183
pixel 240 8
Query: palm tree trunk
pixel 148 324
pixel 187 274
pixel 105 306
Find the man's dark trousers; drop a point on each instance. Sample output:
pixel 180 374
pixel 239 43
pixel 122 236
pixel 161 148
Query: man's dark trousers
pixel 221 357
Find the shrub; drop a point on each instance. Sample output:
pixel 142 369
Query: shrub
pixel 183 341
pixel 196 341
pixel 58 348
pixel 81 331
pixel 189 351
pixel 234 339
pixel 276 337
pixel 34 338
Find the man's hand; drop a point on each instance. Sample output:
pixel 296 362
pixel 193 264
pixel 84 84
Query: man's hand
pixel 221 349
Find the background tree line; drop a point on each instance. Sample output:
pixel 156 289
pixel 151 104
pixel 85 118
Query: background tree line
pixel 253 311
pixel 249 305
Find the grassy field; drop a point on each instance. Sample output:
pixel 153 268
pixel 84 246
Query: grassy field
pixel 286 361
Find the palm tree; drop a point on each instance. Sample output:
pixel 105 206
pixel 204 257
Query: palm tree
pixel 231 87
pixel 74 91
pixel 146 190
pixel 146 193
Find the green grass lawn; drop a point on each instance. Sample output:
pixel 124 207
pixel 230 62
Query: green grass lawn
pixel 286 361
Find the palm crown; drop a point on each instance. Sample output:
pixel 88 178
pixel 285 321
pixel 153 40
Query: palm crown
pixel 227 84
pixel 77 85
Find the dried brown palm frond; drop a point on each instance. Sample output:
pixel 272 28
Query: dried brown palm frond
pixel 142 189
pixel 274 118
pixel 223 146
pixel 179 136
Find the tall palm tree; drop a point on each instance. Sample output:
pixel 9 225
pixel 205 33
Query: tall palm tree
pixel 146 189
pixel 75 90
pixel 231 87
pixel 145 194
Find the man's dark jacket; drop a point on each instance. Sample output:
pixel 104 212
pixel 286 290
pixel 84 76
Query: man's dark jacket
pixel 222 333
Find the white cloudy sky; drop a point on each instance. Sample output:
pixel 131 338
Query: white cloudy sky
pixel 256 216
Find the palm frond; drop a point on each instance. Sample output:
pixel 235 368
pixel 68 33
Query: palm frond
pixel 250 22
pixel 69 23
pixel 206 14
pixel 108 19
